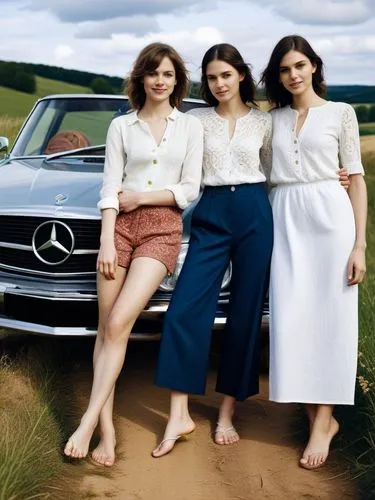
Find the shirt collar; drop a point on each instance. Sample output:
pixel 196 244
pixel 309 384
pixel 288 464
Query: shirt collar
pixel 133 117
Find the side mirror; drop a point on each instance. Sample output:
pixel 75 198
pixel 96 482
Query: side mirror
pixel 4 144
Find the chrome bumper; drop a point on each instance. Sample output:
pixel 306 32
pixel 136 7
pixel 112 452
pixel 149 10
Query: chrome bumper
pixel 152 314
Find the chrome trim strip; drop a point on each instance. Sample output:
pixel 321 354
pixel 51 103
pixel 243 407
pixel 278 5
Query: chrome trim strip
pixel 18 327
pixel 58 296
pixel 84 252
pixel 16 246
pixel 29 248
pixel 57 211
pixel 43 273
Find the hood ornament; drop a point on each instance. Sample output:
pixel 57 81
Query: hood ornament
pixel 61 198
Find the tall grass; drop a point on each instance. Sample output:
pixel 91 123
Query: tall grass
pixel 32 429
pixel 358 423
pixel 9 127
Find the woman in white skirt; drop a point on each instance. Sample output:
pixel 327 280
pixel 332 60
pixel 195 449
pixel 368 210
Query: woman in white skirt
pixel 319 243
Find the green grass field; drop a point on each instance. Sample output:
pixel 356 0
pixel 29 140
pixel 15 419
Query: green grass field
pixel 17 104
pixel 367 129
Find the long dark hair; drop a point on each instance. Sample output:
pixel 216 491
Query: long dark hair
pixel 229 54
pixel 275 90
pixel 147 61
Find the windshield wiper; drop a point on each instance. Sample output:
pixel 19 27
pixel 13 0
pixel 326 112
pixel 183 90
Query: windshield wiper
pixel 74 152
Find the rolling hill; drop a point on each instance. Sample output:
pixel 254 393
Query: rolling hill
pixel 19 104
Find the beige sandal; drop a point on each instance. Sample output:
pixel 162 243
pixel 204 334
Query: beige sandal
pixel 224 430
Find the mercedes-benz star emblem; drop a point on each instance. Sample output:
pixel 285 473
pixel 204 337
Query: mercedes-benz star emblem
pixel 53 242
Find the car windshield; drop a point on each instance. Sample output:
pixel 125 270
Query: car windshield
pixel 67 123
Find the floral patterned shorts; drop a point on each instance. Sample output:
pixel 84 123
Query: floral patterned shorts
pixel 149 232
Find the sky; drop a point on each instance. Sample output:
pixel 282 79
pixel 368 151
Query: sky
pixel 106 36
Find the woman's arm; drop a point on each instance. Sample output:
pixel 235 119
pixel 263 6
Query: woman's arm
pixel 265 153
pixel 130 200
pixel 358 196
pixel 107 257
pixel 115 160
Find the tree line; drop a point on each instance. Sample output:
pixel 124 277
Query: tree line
pixel 365 114
pixel 21 76
pixel 17 76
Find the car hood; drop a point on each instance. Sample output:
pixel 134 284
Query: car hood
pixel 36 183
pixel 71 188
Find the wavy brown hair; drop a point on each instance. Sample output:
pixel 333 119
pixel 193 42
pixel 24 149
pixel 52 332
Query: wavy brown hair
pixel 275 90
pixel 147 61
pixel 229 54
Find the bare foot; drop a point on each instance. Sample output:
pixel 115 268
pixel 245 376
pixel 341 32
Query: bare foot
pixel 104 453
pixel 225 433
pixel 175 430
pixel 78 443
pixel 317 449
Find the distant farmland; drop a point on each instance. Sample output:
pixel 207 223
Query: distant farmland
pixel 18 104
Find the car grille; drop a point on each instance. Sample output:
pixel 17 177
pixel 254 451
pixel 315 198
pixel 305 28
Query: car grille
pixel 19 230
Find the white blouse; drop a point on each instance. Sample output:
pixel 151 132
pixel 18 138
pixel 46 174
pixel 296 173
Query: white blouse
pixel 328 139
pixel 245 158
pixel 135 162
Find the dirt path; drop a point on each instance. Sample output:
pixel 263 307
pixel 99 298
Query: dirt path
pixel 262 465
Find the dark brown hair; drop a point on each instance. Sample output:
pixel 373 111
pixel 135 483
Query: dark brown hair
pixel 275 90
pixel 229 54
pixel 147 61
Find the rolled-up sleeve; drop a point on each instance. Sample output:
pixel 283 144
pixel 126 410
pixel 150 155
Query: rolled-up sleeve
pixel 187 190
pixel 115 159
pixel 349 143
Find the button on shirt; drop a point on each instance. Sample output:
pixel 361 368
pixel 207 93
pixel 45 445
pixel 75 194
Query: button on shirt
pixel 135 162
pixel 244 158
pixel 328 139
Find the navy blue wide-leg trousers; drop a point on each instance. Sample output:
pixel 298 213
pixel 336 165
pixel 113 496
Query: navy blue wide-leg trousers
pixel 230 223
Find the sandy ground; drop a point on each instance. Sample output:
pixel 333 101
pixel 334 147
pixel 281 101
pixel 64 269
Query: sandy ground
pixel 262 465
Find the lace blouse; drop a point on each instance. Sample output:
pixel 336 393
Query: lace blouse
pixel 245 158
pixel 328 139
pixel 134 161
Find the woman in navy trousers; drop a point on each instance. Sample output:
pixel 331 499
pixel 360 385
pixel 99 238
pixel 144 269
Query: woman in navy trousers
pixel 232 222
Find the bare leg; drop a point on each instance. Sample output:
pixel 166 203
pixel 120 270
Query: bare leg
pixel 324 428
pixel 179 424
pixel 311 410
pixel 144 276
pixel 225 433
pixel 108 292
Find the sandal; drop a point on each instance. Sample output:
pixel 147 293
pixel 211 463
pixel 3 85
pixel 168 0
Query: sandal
pixel 224 430
pixel 174 439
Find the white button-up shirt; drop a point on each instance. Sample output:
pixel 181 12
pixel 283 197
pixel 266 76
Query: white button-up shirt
pixel 244 158
pixel 135 162
pixel 328 139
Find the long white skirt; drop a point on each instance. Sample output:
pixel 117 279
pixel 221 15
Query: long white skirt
pixel 313 312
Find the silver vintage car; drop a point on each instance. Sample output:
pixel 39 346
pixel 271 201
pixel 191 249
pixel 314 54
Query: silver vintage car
pixel 50 225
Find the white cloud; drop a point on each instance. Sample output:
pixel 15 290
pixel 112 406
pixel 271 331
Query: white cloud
pixel 137 25
pixel 97 10
pixel 63 52
pixel 254 27
pixel 330 12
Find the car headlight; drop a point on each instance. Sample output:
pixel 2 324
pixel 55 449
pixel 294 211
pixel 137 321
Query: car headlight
pixel 169 282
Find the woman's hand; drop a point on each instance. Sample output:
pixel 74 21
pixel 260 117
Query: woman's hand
pixel 356 266
pixel 107 259
pixel 344 178
pixel 129 200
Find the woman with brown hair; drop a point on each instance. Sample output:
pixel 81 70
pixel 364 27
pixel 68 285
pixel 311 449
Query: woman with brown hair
pixel 319 243
pixel 231 223
pixel 153 162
